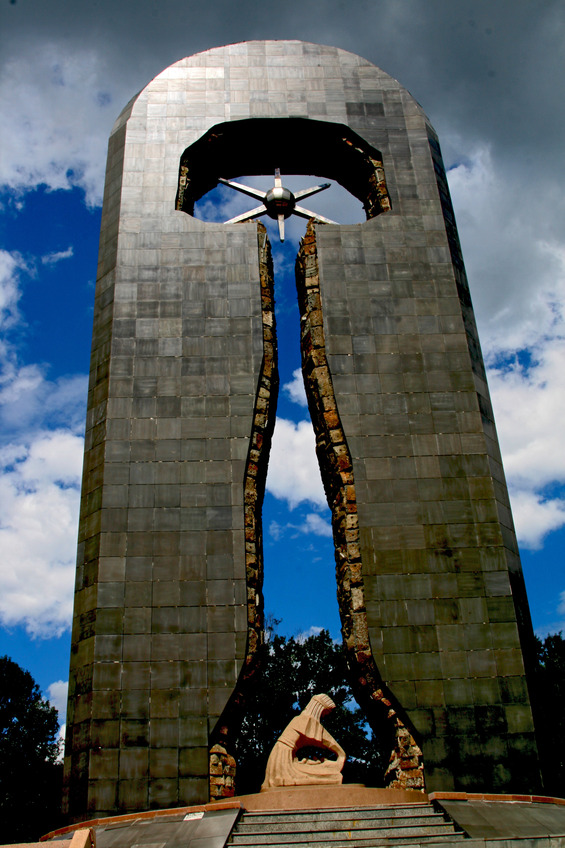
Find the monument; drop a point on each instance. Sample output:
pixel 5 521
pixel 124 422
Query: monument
pixel 285 767
pixel 182 398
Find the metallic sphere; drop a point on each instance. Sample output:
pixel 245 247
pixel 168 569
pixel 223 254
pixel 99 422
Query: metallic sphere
pixel 279 201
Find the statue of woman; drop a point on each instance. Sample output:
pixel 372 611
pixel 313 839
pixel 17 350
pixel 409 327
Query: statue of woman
pixel 285 769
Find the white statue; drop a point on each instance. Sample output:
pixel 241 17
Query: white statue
pixel 283 766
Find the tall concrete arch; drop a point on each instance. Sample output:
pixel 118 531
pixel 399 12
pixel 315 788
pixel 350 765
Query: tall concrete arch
pixel 181 407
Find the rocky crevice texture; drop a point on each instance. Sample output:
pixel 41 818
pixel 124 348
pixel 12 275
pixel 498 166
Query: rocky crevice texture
pixel 222 763
pixel 405 770
pixel 377 193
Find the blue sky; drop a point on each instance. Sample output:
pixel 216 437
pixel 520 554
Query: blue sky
pixel 489 78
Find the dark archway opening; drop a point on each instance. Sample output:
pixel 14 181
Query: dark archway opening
pixel 295 145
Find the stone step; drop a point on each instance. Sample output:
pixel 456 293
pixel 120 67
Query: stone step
pixel 347 822
pixel 338 813
pixel 406 826
pixel 329 834
pixel 448 840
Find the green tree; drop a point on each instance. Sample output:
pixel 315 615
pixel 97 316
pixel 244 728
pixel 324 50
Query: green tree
pixel 30 777
pixel 293 671
pixel 549 695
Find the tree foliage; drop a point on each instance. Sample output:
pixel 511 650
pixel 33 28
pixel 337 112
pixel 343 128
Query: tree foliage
pixel 293 671
pixel 30 777
pixel 549 695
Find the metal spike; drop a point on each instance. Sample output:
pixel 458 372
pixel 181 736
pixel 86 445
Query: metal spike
pixel 308 192
pixel 306 213
pixel 252 192
pixel 246 216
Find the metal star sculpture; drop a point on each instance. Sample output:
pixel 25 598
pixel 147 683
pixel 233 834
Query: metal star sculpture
pixel 278 203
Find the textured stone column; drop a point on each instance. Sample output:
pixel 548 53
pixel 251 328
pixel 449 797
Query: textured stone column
pixel 160 630
pixel 181 404
pixel 444 596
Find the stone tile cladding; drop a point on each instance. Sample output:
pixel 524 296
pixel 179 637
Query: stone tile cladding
pixel 448 617
pixel 406 769
pixel 160 630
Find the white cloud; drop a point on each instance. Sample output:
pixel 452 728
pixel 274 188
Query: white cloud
pixel 40 468
pixel 317 525
pixel 58 692
pixel 276 530
pixel 10 263
pixel 529 403
pixel 223 203
pixel 28 401
pixel 513 253
pixel 535 517
pixel 306 634
pixel 39 487
pixel 295 388
pixel 313 525
pixel 294 475
pixel 57 114
pixel 53 258
pixel 516 265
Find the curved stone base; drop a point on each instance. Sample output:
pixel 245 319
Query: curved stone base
pixel 327 797
pixel 481 816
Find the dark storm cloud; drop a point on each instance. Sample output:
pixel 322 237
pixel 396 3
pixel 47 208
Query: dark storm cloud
pixel 483 69
pixel 486 73
pixel 489 75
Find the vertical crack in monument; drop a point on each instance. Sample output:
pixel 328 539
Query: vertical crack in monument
pixel 181 403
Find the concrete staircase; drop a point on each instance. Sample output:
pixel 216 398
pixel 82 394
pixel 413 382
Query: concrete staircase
pixel 411 825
